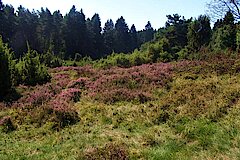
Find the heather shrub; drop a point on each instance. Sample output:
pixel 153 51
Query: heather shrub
pixel 6 124
pixel 62 114
pixel 58 113
pixel 132 84
pixel 109 151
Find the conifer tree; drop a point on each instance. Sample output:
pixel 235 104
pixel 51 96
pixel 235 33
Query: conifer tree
pixel 5 70
pixel 121 37
pixel 225 35
pixel 134 40
pixel 199 33
pixel 108 36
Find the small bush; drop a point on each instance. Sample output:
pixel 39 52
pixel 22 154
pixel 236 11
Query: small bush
pixel 110 151
pixel 6 124
pixel 31 71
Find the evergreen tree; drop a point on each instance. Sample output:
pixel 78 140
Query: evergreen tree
pixel 108 36
pixel 176 32
pixel 75 33
pixel 1 5
pixel 149 32
pixel 95 36
pixel 199 33
pixel 121 37
pixel 8 25
pixel 134 39
pixel 45 30
pixel 225 35
pixel 26 31
pixel 5 70
pixel 57 35
pixel 218 24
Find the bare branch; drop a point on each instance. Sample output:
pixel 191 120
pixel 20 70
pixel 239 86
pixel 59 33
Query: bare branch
pixel 218 8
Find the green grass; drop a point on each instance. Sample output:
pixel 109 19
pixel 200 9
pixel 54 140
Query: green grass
pixel 196 117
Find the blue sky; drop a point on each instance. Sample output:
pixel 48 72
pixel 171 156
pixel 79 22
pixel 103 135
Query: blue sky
pixel 136 12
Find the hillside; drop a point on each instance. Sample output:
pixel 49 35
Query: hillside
pixel 177 110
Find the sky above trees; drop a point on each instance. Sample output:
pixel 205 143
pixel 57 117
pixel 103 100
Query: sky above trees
pixel 136 12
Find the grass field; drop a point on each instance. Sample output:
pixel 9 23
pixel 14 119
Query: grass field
pixel 178 110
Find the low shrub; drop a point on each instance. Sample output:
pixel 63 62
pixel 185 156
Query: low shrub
pixel 6 124
pixel 31 71
pixel 109 151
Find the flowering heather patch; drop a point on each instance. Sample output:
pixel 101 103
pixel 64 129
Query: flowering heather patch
pixel 121 84
pixel 40 95
pixel 61 79
pixel 67 95
pixel 81 71
pixel 80 83
pixel 48 103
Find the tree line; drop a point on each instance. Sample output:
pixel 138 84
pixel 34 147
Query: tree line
pixel 66 36
pixel 73 36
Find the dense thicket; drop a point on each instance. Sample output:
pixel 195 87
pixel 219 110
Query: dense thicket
pixel 67 35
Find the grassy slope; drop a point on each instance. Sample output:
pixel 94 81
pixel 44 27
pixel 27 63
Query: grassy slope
pixel 195 116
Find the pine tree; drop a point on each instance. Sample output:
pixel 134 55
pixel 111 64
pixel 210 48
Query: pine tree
pixel 199 33
pixel 134 39
pixel 149 32
pixel 176 32
pixel 121 36
pixel 5 70
pixel 45 30
pixel 95 37
pixel 224 36
pixel 57 35
pixel 75 33
pixel 26 31
pixel 1 5
pixel 108 36
pixel 8 25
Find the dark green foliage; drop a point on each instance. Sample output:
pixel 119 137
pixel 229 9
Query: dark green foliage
pixel 26 31
pixel 108 36
pixel 238 37
pixel 95 44
pixel 158 51
pixel 8 24
pixel 5 70
pixel 75 33
pixel 134 38
pixel 1 5
pixel 149 32
pixel 199 33
pixel 69 34
pixel 176 32
pixel 50 60
pixel 31 71
pixel 224 36
pixel 122 37
pixel 57 35
pixel 145 35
